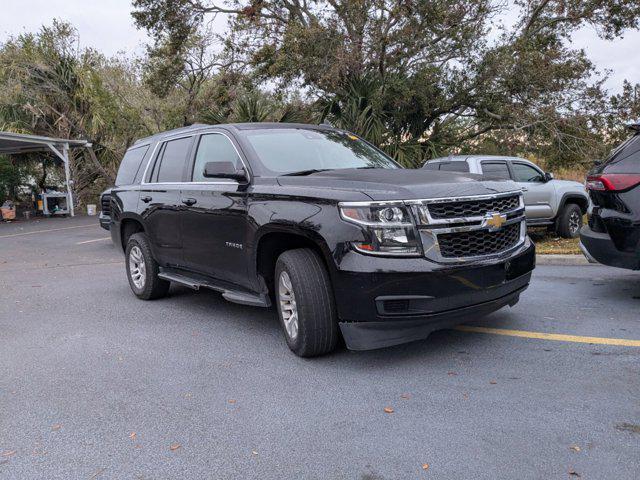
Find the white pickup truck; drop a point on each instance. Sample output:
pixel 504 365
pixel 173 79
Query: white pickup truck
pixel 557 204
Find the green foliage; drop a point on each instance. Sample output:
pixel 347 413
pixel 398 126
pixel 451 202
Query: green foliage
pixel 420 77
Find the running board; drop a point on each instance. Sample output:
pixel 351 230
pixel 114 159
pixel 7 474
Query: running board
pixel 228 293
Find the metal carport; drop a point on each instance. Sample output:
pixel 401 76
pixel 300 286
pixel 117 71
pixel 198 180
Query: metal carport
pixel 17 143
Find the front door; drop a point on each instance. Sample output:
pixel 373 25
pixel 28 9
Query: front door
pixel 160 200
pixel 538 193
pixel 214 218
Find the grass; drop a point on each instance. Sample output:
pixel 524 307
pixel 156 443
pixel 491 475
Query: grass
pixel 550 244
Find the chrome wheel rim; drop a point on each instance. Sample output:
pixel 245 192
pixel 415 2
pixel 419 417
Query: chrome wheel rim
pixel 288 307
pixel 574 222
pixel 137 267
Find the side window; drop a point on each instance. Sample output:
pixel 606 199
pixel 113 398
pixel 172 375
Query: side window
pixel 130 165
pixel 455 167
pixel 171 161
pixel 496 170
pixel 213 147
pixel 526 173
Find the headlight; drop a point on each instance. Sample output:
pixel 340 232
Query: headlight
pixel 388 227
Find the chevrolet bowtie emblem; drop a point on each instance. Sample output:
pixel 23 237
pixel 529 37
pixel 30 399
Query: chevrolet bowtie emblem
pixel 494 220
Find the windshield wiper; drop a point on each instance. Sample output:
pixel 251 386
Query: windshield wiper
pixel 302 173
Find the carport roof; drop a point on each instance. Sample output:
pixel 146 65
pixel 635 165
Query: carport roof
pixel 15 143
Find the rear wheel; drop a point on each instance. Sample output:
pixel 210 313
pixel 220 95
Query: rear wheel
pixel 142 269
pixel 569 221
pixel 305 303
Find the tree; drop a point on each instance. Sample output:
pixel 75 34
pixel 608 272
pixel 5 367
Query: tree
pixel 435 80
pixel 52 87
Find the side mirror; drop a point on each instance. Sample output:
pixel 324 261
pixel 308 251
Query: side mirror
pixel 548 176
pixel 224 170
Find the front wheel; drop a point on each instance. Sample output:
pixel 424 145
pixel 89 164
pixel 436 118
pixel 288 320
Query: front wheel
pixel 569 221
pixel 305 303
pixel 142 269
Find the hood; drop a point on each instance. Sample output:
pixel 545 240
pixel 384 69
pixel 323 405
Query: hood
pixel 400 184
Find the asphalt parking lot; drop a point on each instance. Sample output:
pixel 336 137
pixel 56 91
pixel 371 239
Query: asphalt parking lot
pixel 97 384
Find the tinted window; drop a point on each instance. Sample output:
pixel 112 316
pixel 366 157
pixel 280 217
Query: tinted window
pixel 454 167
pixel 496 170
pixel 171 161
pixel 626 158
pixel 214 148
pixel 130 165
pixel 288 150
pixel 526 173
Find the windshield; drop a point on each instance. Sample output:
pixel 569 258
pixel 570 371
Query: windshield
pixel 285 151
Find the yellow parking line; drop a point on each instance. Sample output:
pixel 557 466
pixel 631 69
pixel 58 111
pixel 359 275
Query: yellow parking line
pixel 622 342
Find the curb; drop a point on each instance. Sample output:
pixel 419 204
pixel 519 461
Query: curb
pixel 560 260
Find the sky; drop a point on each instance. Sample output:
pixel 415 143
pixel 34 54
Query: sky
pixel 107 26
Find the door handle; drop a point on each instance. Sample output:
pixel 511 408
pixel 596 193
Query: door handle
pixel 146 199
pixel 189 201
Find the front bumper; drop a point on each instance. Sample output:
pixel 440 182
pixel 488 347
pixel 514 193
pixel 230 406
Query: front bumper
pixel 105 221
pixel 383 307
pixel 601 248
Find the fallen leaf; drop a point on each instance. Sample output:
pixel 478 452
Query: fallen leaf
pixel 9 453
pixel 388 410
pixel 425 466
pixel 574 473
pixel 575 448
pixel 97 474
pixel 405 396
pixel 452 374
pixel 232 401
pixel 56 427
pixel 465 396
pixel 132 435
pixel 174 446
pixel 493 382
pixel 254 452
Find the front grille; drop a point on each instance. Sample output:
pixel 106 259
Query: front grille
pixel 477 243
pixel 473 208
pixel 105 204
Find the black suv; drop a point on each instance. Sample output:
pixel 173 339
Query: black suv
pixel 613 234
pixel 322 223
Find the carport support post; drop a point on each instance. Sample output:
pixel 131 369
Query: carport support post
pixel 64 156
pixel 67 174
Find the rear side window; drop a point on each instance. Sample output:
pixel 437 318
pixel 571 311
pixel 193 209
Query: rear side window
pixel 626 158
pixel 171 161
pixel 496 170
pixel 130 165
pixel 455 167
pixel 214 147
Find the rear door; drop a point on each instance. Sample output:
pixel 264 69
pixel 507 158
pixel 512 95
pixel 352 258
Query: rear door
pixel 214 222
pixel 495 169
pixel 538 193
pixel 160 199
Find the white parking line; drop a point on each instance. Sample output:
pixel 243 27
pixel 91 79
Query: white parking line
pixel 94 240
pixel 44 231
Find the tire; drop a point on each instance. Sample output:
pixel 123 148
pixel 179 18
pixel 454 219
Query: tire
pixel 142 269
pixel 315 331
pixel 569 221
